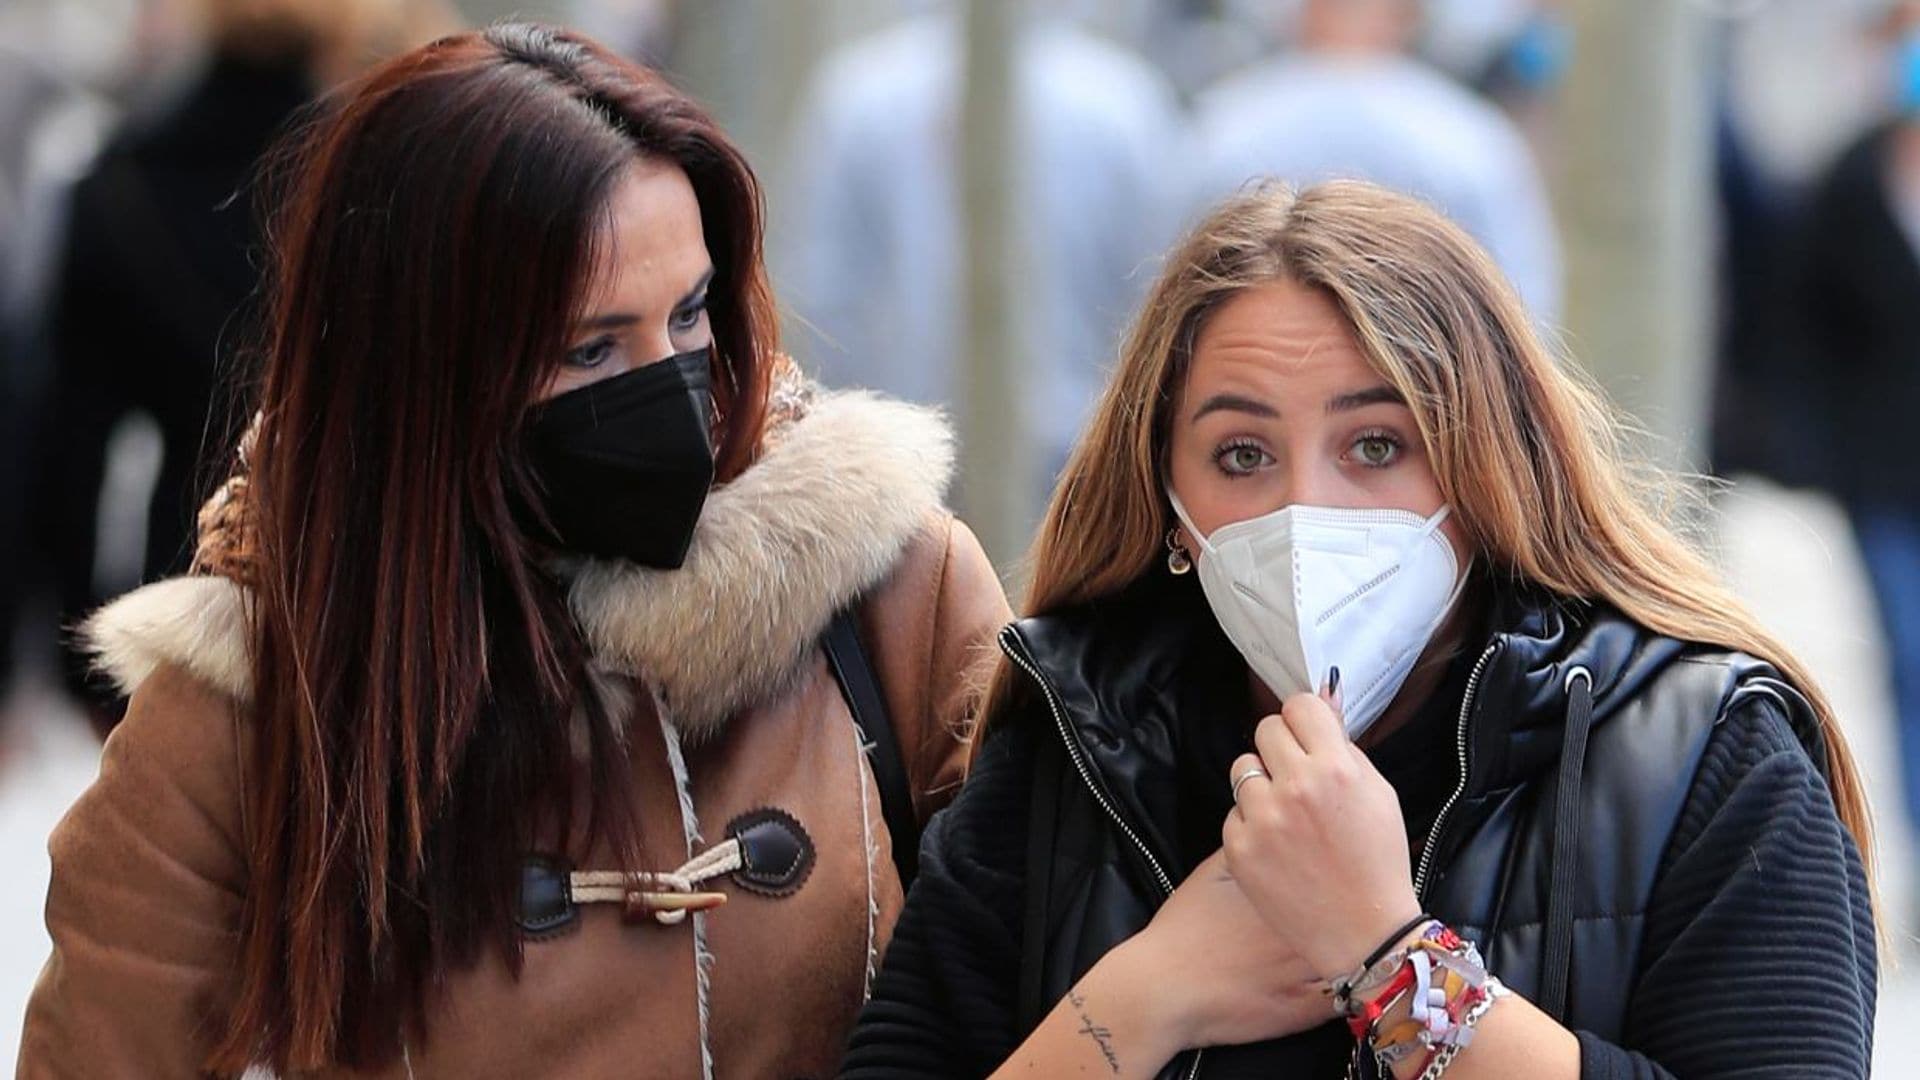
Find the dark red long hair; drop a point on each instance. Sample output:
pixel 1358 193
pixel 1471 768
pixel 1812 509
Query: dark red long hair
pixel 419 686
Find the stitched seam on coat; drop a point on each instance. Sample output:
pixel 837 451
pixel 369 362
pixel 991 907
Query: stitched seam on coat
pixel 931 721
pixel 240 770
pixel 930 709
pixel 690 828
pixel 862 769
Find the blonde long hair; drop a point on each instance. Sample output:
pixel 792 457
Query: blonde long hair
pixel 1527 451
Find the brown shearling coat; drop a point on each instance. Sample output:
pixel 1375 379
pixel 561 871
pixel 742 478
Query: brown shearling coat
pixel 733 710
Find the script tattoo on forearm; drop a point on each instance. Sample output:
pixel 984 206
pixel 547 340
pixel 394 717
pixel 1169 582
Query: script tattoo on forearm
pixel 1102 1037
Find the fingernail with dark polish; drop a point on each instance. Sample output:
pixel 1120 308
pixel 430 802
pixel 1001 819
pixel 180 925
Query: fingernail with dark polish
pixel 1333 679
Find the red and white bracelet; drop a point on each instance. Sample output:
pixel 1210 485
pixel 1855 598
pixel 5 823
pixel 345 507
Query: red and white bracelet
pixel 1444 983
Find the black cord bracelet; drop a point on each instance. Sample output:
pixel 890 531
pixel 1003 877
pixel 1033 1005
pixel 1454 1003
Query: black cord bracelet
pixel 1342 987
pixel 1394 939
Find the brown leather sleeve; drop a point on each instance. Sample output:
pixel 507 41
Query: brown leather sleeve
pixel 148 869
pixel 930 628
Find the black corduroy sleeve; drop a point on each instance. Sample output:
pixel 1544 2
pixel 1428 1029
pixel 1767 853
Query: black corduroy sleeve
pixel 945 1001
pixel 1759 959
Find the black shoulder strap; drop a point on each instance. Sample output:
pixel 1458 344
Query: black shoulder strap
pixel 848 659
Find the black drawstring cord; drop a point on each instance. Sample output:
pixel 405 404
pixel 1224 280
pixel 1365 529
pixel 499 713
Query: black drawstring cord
pixel 1557 955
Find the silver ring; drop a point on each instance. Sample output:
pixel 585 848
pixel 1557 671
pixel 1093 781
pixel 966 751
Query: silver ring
pixel 1246 776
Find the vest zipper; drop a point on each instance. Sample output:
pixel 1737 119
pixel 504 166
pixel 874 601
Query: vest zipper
pixel 1354 1067
pixel 1011 644
pixel 1460 744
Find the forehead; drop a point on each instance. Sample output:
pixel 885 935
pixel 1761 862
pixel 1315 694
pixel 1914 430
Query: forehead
pixel 652 245
pixel 1279 334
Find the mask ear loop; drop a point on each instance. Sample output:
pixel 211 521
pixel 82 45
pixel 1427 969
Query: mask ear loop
pixel 1460 573
pixel 1207 548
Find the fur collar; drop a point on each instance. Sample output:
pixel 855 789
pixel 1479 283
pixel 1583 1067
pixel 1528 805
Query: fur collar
pixel 838 493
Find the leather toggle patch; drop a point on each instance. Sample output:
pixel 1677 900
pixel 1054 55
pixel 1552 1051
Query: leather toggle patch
pixel 545 906
pixel 775 852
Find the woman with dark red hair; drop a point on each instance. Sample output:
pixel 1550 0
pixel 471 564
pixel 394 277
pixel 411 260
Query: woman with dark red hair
pixel 519 718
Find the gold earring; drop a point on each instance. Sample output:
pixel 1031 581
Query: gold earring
pixel 1178 561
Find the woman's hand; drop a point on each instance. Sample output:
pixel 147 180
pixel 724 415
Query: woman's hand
pixel 1318 844
pixel 1213 970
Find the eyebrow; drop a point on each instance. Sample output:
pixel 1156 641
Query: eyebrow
pixel 616 319
pixel 1236 403
pixel 1360 399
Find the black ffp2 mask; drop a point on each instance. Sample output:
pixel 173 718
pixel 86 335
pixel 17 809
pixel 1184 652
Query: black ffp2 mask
pixel 626 463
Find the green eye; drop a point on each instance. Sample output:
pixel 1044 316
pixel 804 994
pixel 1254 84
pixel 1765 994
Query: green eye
pixel 1376 451
pixel 1240 459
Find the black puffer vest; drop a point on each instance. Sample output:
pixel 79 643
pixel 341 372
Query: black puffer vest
pixel 1577 740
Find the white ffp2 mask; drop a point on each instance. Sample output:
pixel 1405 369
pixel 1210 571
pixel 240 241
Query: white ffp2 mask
pixel 1308 587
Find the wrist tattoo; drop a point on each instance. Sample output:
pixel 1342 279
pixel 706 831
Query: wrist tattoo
pixel 1102 1037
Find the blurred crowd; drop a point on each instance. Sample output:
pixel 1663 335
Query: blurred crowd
pixel 130 136
pixel 131 132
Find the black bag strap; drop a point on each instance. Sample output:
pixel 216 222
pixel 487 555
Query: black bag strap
pixel 851 669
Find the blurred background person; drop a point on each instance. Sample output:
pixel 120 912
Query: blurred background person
pixel 1349 99
pixel 1794 81
pixel 1856 284
pixel 1521 61
pixel 1758 357
pixel 870 244
pixel 70 73
pixel 51 124
pixel 155 269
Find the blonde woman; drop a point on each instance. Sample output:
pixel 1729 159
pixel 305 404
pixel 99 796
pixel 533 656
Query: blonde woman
pixel 1371 719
